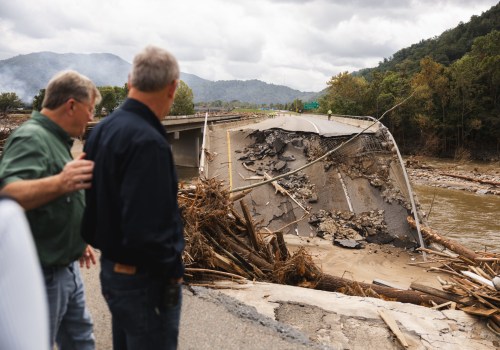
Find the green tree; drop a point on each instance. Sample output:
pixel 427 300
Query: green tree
pixel 297 105
pixel 216 103
pixel 183 101
pixel 466 91
pixel 394 87
pixel 432 94
pixel 38 99
pixel 486 52
pixel 475 89
pixel 109 100
pixel 9 101
pixel 347 94
pixel 121 93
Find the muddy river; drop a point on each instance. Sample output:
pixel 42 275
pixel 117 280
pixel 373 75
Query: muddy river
pixel 469 218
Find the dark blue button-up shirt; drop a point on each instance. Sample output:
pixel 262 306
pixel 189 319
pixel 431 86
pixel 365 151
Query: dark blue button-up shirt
pixel 132 214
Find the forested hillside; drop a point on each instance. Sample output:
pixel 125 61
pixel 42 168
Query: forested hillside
pixel 445 48
pixel 454 81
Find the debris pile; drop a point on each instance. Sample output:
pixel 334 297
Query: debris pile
pixel 348 229
pixel 474 277
pixel 268 157
pixel 223 244
pixel 369 156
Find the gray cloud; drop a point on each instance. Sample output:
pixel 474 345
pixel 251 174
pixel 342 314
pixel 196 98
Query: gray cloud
pixel 298 42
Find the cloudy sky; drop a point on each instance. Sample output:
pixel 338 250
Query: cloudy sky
pixel 297 43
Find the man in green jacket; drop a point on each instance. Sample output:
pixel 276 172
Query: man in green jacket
pixel 40 173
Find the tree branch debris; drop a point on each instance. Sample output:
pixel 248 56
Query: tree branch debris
pixel 221 244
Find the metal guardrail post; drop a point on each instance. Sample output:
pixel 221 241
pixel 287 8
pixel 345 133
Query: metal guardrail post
pixel 202 158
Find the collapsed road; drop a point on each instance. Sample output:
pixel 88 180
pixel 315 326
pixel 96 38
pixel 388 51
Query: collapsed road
pixel 362 183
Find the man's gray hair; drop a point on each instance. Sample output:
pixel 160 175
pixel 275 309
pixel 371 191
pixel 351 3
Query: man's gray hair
pixel 69 84
pixel 153 69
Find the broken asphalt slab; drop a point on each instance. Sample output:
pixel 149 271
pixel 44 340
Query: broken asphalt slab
pixel 339 321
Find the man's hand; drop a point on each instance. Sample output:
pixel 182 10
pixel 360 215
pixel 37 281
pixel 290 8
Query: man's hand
pixel 88 257
pixel 77 174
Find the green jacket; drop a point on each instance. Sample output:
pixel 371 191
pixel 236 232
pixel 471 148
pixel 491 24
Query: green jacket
pixel 40 148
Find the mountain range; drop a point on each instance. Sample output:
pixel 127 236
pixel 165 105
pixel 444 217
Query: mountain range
pixel 27 74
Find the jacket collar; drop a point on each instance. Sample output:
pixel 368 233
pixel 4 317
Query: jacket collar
pixel 143 111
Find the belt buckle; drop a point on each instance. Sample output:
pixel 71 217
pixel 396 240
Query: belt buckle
pixel 124 269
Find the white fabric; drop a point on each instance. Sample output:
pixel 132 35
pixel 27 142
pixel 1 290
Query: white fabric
pixel 23 301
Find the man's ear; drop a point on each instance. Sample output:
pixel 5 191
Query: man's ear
pixel 172 88
pixel 70 104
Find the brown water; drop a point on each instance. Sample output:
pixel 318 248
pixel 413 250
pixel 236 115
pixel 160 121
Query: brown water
pixel 471 219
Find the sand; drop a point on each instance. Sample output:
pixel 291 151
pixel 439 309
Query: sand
pixel 382 262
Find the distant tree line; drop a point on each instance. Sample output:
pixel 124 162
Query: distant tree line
pixel 454 110
pixel 9 101
pixel 296 105
pixel 112 98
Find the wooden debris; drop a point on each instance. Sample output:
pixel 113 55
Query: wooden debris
pixel 436 292
pixel 250 227
pixel 478 311
pixel 448 243
pixel 471 286
pixel 380 282
pixel 393 326
pixel 451 304
pixel 468 178
pixel 222 244
pixel 282 190
pixel 335 284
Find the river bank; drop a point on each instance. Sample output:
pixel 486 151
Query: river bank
pixel 476 177
pixel 455 203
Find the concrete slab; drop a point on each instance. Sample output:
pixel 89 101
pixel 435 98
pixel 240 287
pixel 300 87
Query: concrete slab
pixel 347 322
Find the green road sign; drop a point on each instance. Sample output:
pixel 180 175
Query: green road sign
pixel 311 105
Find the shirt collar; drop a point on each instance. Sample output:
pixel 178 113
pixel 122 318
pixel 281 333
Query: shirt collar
pixel 144 112
pixel 52 127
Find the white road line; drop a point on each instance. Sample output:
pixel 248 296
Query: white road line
pixel 314 125
pixel 344 187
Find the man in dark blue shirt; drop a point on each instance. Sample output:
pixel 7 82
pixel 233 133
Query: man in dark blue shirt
pixel 132 214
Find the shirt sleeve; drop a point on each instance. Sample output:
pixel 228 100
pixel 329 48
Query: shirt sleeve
pixel 23 305
pixel 150 214
pixel 24 158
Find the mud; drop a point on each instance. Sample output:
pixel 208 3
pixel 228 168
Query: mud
pixel 452 174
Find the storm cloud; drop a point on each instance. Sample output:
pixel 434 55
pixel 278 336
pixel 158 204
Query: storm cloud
pixel 297 43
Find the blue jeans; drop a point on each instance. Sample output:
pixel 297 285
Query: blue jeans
pixel 70 322
pixel 145 309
